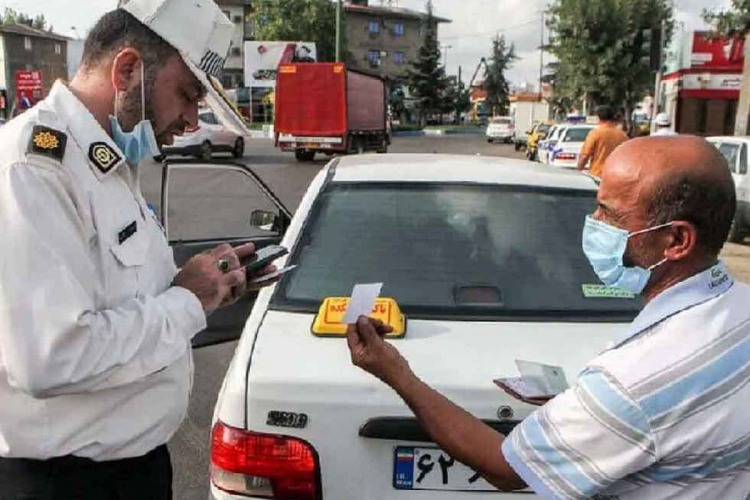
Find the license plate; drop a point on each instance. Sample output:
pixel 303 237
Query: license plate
pixel 417 468
pixel 311 145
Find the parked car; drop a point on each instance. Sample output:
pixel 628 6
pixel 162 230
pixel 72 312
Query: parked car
pixel 735 150
pixel 501 128
pixel 207 138
pixel 469 251
pixel 547 144
pixel 568 148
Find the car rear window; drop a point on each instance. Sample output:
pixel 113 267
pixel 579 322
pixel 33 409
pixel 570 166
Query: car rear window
pixel 451 251
pixel 576 134
pixel 502 121
pixel 544 128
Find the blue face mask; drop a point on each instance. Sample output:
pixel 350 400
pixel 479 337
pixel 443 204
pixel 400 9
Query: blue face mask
pixel 605 245
pixel 140 142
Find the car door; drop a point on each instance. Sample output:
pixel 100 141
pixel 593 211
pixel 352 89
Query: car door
pixel 196 220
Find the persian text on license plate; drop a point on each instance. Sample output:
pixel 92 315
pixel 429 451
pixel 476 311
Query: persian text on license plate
pixel 416 468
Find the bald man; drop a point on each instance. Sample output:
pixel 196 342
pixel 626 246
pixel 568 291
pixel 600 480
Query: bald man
pixel 664 412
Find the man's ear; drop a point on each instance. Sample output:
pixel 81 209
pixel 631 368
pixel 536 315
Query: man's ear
pixel 126 69
pixel 684 240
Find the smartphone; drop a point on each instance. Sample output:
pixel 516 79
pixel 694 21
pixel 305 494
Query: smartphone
pixel 272 276
pixel 264 257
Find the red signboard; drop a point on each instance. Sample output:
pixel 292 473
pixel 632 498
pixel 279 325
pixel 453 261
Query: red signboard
pixel 716 52
pixel 29 88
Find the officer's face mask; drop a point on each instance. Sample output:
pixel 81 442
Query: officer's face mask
pixel 605 246
pixel 140 142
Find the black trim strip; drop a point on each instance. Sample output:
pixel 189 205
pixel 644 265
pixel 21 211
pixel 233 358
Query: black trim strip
pixel 409 428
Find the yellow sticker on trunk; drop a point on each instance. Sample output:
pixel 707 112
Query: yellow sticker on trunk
pixel 329 320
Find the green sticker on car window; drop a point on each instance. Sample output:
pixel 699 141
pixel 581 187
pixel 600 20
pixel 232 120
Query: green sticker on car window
pixel 605 292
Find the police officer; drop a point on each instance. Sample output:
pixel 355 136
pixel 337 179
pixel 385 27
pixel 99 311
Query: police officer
pixel 95 319
pixel 663 125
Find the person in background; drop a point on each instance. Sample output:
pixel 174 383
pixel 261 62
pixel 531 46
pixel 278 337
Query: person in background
pixel 661 414
pixel 601 141
pixel 663 126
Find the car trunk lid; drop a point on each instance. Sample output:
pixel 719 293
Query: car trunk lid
pixel 293 371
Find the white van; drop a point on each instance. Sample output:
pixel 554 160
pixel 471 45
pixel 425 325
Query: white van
pixel 735 150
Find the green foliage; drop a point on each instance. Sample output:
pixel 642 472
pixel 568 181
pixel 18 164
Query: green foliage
pixel 426 77
pixel 735 21
pixel 11 16
pixel 600 46
pixel 495 83
pixel 300 20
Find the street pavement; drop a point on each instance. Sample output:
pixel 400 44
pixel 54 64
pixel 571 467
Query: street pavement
pixel 212 204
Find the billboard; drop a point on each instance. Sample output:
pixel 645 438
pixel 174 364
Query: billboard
pixel 717 52
pixel 29 88
pixel 263 58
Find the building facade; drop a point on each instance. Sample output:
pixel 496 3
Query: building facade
pixel 701 88
pixel 384 40
pixel 26 49
pixel 240 12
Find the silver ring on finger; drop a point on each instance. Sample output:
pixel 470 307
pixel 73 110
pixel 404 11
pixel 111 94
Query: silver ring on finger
pixel 223 265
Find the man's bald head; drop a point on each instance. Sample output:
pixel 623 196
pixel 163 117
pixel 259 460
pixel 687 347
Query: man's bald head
pixel 679 178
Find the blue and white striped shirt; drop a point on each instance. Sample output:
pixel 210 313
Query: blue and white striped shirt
pixel 664 414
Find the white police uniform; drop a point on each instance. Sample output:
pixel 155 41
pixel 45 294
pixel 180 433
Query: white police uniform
pixel 95 356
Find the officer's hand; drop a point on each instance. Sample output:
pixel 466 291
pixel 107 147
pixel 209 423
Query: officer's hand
pixel 215 287
pixel 373 354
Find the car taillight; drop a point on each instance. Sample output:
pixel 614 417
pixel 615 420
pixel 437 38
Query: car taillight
pixel 190 130
pixel 565 156
pixel 270 466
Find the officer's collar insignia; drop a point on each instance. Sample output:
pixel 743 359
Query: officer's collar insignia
pixel 49 142
pixel 103 156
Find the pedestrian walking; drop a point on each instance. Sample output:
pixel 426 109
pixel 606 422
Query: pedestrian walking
pixel 663 125
pixel 96 321
pixel 600 143
pixel 662 414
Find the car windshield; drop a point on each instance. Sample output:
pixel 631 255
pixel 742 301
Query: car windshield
pixel 451 250
pixel 543 128
pixel 576 134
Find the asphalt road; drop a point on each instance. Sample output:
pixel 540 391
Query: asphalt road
pixel 212 204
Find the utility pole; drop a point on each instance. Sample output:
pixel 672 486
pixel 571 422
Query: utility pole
pixel 659 71
pixel 541 57
pixel 743 106
pixel 459 97
pixel 338 30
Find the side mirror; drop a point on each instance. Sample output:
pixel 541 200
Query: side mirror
pixel 263 219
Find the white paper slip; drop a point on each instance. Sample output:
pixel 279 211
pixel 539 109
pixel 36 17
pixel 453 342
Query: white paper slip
pixel 550 379
pixel 362 301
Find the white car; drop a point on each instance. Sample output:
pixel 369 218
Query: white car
pixel 482 256
pixel 547 145
pixel 209 137
pixel 568 148
pixel 735 150
pixel 501 129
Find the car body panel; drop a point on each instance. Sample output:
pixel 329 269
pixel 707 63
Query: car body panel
pixel 736 150
pixel 279 365
pixel 209 131
pixel 501 129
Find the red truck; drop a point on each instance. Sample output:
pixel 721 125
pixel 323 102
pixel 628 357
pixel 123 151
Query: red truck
pixel 327 108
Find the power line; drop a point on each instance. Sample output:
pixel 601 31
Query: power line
pixel 485 33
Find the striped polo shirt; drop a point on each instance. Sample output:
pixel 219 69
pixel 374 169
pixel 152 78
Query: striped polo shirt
pixel 664 414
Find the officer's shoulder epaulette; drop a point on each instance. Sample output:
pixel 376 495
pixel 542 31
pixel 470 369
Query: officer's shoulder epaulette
pixel 47 141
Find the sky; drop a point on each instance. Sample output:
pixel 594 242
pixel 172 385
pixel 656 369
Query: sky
pixel 467 38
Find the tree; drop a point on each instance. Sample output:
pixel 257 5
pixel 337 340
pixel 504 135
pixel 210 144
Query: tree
pixel 736 22
pixel 426 77
pixel 600 45
pixel 11 16
pixel 495 83
pixel 300 20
